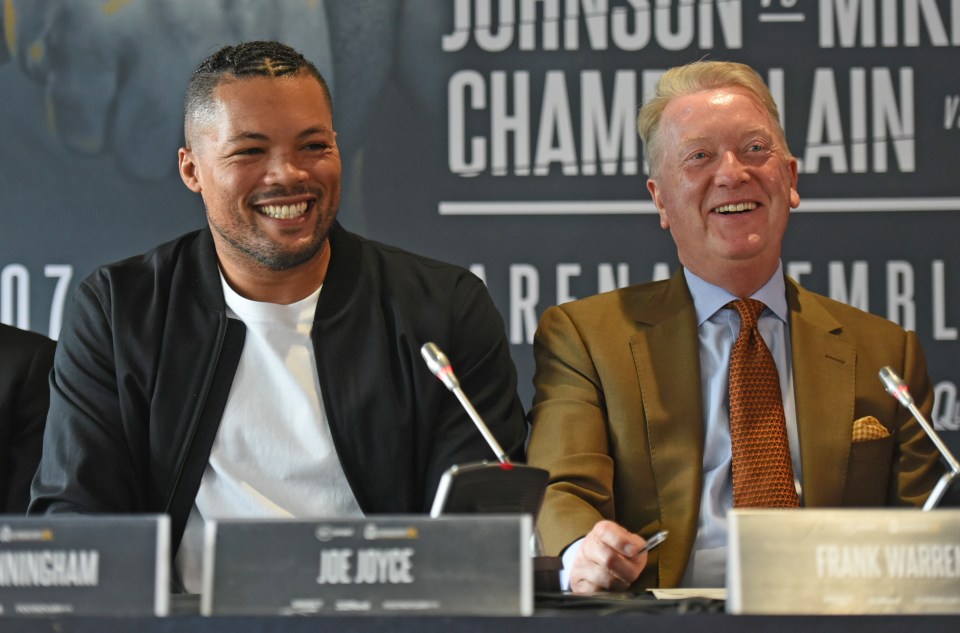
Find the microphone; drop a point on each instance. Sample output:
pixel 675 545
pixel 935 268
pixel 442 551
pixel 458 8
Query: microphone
pixel 897 388
pixel 439 365
pixel 486 487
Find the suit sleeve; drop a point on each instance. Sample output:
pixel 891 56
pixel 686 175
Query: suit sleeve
pixel 916 462
pixel 28 413
pixel 569 434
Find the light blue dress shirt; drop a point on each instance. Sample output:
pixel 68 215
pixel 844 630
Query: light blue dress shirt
pixel 718 328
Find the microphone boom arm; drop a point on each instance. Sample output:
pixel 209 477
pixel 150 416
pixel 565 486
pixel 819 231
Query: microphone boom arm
pixel 478 422
pixel 897 388
pixel 439 364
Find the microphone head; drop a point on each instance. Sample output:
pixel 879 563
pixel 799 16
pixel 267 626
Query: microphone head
pixel 439 365
pixel 895 386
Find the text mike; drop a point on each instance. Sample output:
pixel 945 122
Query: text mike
pixel 897 388
pixel 439 365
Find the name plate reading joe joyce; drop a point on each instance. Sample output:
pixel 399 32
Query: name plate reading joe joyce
pixel 458 564
pixel 843 561
pixel 84 565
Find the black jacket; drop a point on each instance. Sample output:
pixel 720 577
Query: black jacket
pixel 146 360
pixel 25 361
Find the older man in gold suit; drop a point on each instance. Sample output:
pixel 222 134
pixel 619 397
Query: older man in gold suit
pixel 632 413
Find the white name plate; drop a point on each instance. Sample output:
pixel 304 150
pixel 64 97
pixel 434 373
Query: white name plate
pixel 843 561
pixel 457 564
pixel 84 565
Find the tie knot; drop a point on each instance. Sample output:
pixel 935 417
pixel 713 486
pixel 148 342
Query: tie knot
pixel 749 310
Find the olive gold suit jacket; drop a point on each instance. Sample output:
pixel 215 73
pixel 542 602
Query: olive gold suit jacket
pixel 617 415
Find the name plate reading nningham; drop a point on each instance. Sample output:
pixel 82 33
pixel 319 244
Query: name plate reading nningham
pixel 458 564
pixel 84 565
pixel 843 561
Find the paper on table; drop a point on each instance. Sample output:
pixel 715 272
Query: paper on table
pixel 711 593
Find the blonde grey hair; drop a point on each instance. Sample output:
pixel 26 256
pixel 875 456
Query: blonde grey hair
pixel 695 77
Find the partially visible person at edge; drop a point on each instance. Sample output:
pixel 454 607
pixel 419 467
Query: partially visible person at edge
pixel 630 412
pixel 268 365
pixel 25 361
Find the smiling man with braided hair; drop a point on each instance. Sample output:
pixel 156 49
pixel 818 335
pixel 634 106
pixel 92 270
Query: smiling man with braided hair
pixel 269 364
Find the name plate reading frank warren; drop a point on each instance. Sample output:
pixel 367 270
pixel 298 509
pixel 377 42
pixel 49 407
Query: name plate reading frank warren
pixel 843 561
pixel 459 564
pixel 84 565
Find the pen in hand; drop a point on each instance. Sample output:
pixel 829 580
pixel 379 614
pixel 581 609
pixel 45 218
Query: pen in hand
pixel 655 540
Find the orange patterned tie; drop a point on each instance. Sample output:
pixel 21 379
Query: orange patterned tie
pixel 762 470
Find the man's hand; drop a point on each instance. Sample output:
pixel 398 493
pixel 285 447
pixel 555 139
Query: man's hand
pixel 610 559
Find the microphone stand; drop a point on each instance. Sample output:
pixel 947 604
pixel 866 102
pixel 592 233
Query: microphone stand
pixel 546 569
pixel 897 388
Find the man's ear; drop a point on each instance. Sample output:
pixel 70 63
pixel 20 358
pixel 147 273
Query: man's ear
pixel 655 194
pixel 794 177
pixel 188 169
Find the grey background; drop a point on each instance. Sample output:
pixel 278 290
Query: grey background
pixel 90 124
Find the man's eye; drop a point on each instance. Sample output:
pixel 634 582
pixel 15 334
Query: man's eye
pixel 316 147
pixel 698 155
pixel 248 151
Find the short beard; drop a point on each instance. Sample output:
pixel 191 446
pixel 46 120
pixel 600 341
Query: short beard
pixel 267 255
pixel 276 260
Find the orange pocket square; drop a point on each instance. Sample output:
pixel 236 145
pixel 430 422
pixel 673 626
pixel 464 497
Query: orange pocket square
pixel 869 428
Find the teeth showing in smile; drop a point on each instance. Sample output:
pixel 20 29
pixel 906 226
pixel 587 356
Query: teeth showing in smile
pixel 284 211
pixel 736 208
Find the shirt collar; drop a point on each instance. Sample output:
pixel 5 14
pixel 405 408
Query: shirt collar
pixel 707 298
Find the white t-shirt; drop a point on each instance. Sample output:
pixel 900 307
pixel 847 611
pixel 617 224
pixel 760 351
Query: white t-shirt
pixel 273 455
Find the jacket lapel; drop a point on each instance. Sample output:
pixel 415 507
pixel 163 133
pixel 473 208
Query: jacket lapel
pixel 824 368
pixel 666 354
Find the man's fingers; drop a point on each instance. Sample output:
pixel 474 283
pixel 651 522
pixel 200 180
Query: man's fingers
pixel 609 559
pixel 588 576
pixel 617 538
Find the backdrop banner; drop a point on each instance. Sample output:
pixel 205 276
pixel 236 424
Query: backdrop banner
pixel 500 135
